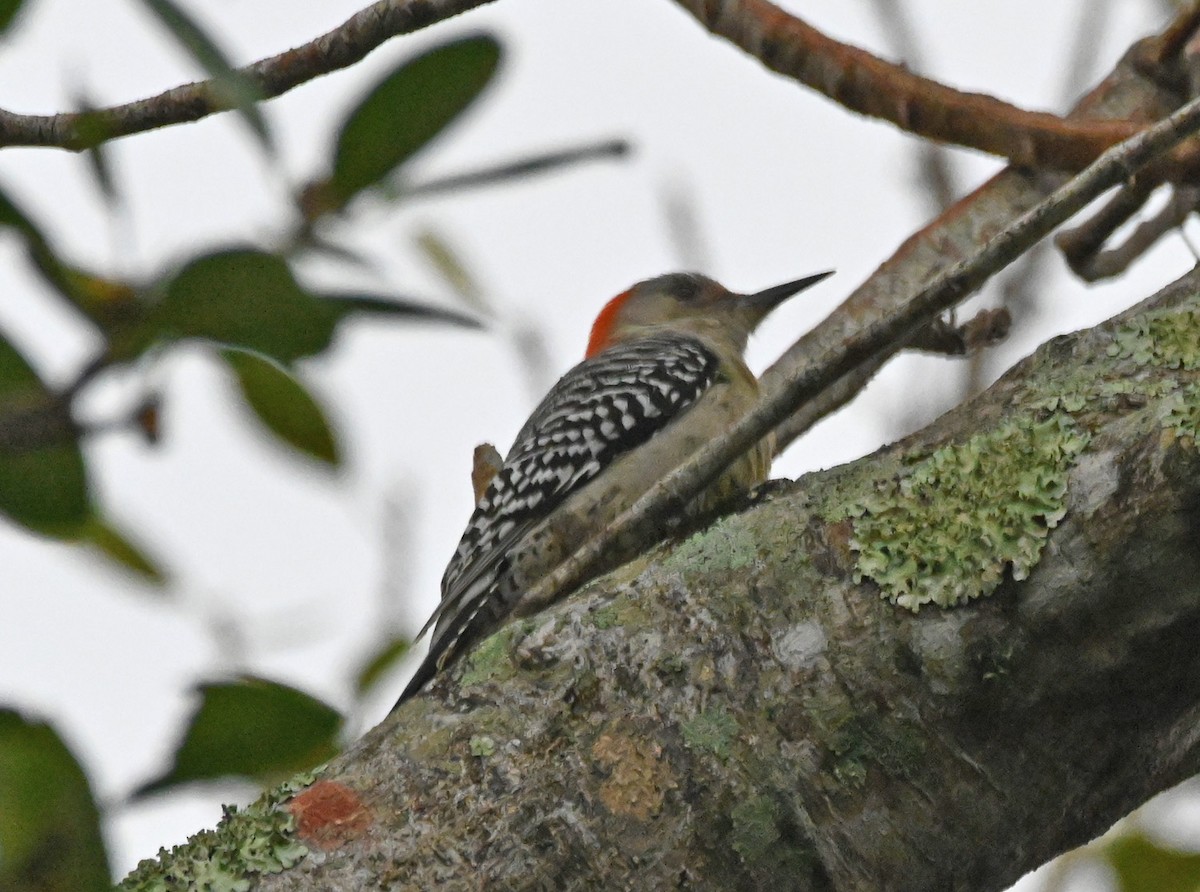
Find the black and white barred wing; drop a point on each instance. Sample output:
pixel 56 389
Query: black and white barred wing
pixel 602 408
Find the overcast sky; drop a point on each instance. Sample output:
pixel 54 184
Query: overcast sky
pixel 287 571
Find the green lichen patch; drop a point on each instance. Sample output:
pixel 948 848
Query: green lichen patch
pixel 728 545
pixel 1089 398
pixel 490 661
pixel 712 730
pixel 259 839
pixel 755 828
pixel 1167 338
pixel 945 531
pixel 1183 418
pixel 605 617
pixel 1078 394
pixel 482 746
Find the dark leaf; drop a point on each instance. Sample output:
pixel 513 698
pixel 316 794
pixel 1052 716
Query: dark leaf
pixel 244 298
pixel 8 13
pixel 114 545
pixel 409 108
pixel 378 664
pixel 254 729
pixel 233 88
pixel 249 299
pixel 49 824
pixel 283 404
pixel 43 481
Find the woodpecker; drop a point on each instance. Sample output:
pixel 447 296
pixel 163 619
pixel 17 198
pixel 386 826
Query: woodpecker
pixel 656 351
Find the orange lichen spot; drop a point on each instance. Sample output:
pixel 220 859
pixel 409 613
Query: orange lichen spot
pixel 602 328
pixel 637 776
pixel 329 814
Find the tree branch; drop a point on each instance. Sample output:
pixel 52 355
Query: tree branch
pixel 1127 92
pixel 548 577
pixel 871 86
pixel 735 712
pixel 273 76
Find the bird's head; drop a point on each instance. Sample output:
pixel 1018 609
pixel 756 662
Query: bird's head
pixel 692 304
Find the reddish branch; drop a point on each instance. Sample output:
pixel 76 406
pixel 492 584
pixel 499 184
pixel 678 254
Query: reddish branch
pixel 274 76
pixel 1127 93
pixel 872 86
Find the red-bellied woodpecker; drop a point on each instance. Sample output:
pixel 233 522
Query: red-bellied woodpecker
pixel 657 353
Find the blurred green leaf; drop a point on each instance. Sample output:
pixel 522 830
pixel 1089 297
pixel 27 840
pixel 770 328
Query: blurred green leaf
pixel 1142 865
pixel 249 299
pixel 255 729
pixel 283 404
pixel 407 109
pixel 231 86
pixel 115 546
pixel 378 664
pixel 13 217
pixel 445 260
pixel 245 298
pixel 49 824
pixel 8 13
pixel 43 480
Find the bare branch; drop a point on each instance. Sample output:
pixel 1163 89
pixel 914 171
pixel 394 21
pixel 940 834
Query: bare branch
pixel 273 76
pixel 739 713
pixel 1082 246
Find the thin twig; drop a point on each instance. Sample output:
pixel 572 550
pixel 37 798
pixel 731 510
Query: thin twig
pixel 673 492
pixel 1104 264
pixel 1089 33
pixel 500 173
pixel 1080 243
pixel 340 48
pixel 933 159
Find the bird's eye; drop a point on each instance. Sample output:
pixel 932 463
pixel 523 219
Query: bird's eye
pixel 685 288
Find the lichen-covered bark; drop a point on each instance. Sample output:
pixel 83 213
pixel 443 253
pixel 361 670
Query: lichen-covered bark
pixel 736 711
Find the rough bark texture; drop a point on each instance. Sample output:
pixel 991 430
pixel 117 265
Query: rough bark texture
pixel 736 711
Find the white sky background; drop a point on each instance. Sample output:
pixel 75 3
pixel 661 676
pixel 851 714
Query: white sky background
pixel 783 183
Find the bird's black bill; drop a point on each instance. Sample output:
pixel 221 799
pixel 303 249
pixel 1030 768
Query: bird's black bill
pixel 769 298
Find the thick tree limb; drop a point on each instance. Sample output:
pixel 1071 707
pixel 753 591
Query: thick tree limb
pixel 735 712
pixel 340 48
